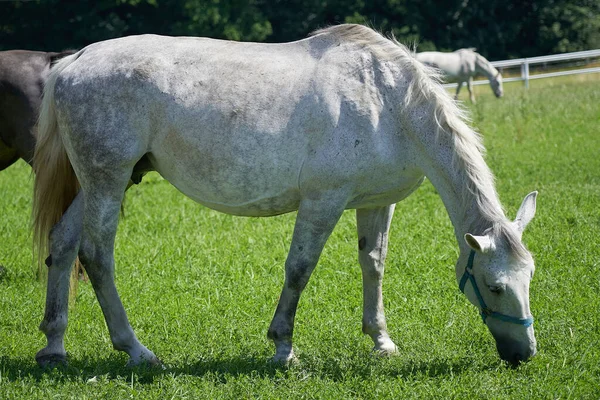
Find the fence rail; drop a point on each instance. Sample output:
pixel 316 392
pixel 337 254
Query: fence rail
pixel 524 63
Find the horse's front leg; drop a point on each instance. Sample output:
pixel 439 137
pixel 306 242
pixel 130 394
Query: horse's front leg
pixel 470 89
pixel 458 86
pixel 373 226
pixel 64 244
pixel 314 223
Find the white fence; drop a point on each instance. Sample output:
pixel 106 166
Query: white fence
pixel 524 63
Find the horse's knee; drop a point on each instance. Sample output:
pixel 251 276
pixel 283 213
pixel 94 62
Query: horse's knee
pixel 372 263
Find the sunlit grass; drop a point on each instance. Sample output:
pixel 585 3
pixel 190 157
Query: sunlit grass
pixel 201 287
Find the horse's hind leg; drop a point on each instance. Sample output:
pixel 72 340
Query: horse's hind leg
pixel 373 226
pixel 64 244
pixel 314 223
pixel 100 219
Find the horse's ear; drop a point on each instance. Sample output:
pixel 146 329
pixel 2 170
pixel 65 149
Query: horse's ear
pixel 526 211
pixel 481 244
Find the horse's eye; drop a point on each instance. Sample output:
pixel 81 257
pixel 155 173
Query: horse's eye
pixel 495 289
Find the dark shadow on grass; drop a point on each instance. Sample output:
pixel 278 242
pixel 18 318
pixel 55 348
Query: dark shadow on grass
pixel 371 365
pixel 114 367
pixel 77 369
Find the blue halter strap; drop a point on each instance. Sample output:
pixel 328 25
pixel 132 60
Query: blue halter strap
pixel 485 311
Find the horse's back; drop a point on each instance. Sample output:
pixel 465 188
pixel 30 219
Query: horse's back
pixel 244 128
pixel 455 65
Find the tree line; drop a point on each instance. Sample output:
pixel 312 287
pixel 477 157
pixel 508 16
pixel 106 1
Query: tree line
pixel 500 29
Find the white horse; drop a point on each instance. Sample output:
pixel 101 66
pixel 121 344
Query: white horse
pixel 461 66
pixel 343 119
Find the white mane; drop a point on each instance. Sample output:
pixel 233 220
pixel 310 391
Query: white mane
pixel 424 90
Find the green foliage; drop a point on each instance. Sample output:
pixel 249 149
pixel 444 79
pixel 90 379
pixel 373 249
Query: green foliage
pixel 499 29
pixel 201 287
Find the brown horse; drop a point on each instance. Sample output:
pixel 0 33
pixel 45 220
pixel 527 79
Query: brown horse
pixel 22 77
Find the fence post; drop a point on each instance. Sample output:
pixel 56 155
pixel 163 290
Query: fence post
pixel 525 73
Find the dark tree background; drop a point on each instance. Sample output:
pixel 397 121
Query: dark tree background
pixel 500 29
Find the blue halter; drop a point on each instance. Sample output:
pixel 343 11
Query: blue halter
pixel 485 311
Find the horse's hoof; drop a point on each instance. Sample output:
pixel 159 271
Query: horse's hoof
pixel 386 349
pixel 51 361
pixel 151 363
pixel 284 360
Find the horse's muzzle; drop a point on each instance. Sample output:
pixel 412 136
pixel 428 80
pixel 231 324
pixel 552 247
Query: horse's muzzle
pixel 514 352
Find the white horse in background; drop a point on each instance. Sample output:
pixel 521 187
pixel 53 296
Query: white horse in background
pixel 461 66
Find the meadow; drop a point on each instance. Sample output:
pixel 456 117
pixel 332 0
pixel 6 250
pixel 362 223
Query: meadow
pixel 201 287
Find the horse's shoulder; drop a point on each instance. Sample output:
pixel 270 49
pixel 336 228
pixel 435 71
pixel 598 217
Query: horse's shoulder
pixel 467 60
pixel 467 52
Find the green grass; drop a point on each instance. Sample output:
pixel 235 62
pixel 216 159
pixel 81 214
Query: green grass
pixel 201 287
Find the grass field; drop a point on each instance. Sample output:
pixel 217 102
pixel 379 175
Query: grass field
pixel 201 287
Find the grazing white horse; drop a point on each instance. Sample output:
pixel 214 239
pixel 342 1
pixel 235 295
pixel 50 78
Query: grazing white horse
pixel 345 119
pixel 461 66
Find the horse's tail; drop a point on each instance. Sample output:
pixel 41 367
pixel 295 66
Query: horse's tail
pixel 55 182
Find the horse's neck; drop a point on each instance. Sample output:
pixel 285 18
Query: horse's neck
pixel 471 211
pixel 485 67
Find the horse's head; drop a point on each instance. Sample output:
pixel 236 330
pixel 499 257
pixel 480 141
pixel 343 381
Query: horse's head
pixel 496 84
pixel 494 275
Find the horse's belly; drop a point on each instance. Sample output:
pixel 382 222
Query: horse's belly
pixel 266 206
pixel 231 187
pixel 387 195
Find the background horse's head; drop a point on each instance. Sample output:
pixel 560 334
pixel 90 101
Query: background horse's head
pixel 496 84
pixel 496 280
